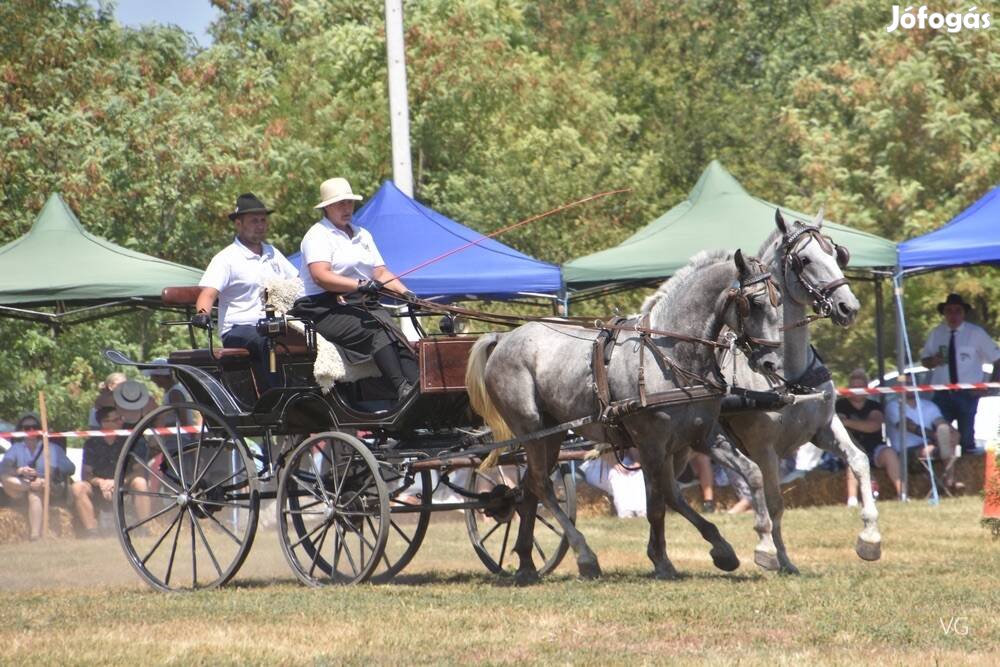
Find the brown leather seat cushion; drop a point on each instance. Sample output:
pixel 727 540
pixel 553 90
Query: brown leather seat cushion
pixel 180 296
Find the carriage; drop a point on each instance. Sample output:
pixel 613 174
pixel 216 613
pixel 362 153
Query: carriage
pixel 352 475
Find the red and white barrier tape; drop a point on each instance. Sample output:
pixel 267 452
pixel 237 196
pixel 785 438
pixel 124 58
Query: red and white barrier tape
pixel 918 388
pixel 87 434
pixel 842 391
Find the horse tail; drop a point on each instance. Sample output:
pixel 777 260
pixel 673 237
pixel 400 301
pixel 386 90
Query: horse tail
pixel 479 398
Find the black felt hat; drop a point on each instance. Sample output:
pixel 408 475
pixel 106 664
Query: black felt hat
pixel 248 203
pixel 954 300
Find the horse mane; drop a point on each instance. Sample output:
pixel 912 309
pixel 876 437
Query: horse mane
pixel 675 282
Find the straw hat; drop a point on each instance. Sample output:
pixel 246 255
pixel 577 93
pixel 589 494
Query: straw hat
pixel 334 190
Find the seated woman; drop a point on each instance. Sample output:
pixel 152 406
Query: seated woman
pixel 863 418
pixel 343 273
pixel 22 470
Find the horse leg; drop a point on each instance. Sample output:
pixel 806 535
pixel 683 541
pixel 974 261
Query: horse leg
pixel 657 470
pixel 835 439
pixel 526 573
pixel 722 553
pixel 765 554
pixel 542 458
pixel 767 460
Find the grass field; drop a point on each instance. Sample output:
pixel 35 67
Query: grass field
pixel 933 598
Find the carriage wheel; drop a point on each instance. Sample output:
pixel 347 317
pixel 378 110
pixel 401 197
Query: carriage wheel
pixel 333 510
pixel 493 533
pixel 407 528
pixel 186 501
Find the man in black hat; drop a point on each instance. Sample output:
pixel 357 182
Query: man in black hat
pixel 957 350
pixel 236 276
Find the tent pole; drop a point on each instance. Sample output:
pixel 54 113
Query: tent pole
pixel 900 378
pixel 399 112
pixel 879 333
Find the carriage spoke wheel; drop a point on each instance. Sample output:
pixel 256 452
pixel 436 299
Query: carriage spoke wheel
pixel 406 526
pixel 186 498
pixel 333 510
pixel 493 532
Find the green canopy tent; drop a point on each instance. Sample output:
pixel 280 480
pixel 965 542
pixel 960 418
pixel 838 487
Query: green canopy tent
pixel 58 265
pixel 718 214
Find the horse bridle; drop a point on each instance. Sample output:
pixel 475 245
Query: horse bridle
pixel 821 293
pixel 742 300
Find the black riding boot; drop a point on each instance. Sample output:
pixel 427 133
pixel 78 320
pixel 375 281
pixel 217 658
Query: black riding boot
pixel 387 360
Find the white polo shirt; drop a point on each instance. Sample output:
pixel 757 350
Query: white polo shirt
pixel 239 273
pixel 349 256
pixel 928 411
pixel 973 348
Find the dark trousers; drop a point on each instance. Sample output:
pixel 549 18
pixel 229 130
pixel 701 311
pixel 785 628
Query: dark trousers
pixel 246 336
pixel 960 406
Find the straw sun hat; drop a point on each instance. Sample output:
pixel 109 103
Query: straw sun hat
pixel 334 190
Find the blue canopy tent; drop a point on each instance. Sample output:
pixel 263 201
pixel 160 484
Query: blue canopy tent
pixel 972 237
pixel 408 233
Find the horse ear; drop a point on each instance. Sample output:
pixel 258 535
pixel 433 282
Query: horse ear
pixel 741 262
pixel 818 222
pixel 780 221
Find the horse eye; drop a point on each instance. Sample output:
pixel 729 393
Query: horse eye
pixel 806 261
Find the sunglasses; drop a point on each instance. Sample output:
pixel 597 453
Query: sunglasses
pixel 29 427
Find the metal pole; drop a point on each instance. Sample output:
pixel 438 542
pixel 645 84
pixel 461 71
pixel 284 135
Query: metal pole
pixel 399 112
pixel 901 367
pixel 879 332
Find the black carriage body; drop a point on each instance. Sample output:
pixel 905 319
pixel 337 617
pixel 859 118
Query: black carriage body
pixel 225 379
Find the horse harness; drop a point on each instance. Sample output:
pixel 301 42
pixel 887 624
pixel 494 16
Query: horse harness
pixel 821 293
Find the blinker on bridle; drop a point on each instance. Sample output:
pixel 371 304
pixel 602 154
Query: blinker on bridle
pixel 821 293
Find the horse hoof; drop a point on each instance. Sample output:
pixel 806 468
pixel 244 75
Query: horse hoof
pixel 724 558
pixel 766 561
pixel 868 550
pixel 788 569
pixel 666 574
pixel 526 578
pixel 589 570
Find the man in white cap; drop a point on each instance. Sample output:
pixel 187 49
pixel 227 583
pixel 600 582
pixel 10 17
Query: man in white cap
pixel 343 273
pixel 236 276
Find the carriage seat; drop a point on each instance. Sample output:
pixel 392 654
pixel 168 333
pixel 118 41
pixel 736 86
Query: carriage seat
pixel 206 356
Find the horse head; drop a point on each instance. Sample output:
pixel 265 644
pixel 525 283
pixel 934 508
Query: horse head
pixel 813 270
pixel 752 311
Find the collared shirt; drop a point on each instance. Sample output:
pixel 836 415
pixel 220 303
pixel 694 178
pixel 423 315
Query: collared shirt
pixel 102 458
pixel 930 413
pixel 973 348
pixel 349 256
pixel 239 274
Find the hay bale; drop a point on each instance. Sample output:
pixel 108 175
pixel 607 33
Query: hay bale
pixel 14 524
pixel 591 501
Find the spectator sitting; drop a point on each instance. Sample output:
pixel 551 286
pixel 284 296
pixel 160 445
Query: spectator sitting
pixel 622 481
pixel 133 402
pixel 942 438
pixel 23 470
pixel 104 396
pixel 97 486
pixel 863 419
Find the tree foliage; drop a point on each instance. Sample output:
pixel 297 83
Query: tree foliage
pixel 515 107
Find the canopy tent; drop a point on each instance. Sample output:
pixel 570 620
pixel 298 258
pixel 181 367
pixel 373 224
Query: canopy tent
pixel 408 234
pixel 969 238
pixel 57 263
pixel 718 214
pixel 972 237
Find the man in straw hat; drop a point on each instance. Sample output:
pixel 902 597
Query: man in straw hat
pixel 957 350
pixel 343 273
pixel 235 277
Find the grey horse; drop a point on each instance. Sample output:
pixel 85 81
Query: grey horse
pixel 808 267
pixel 540 375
